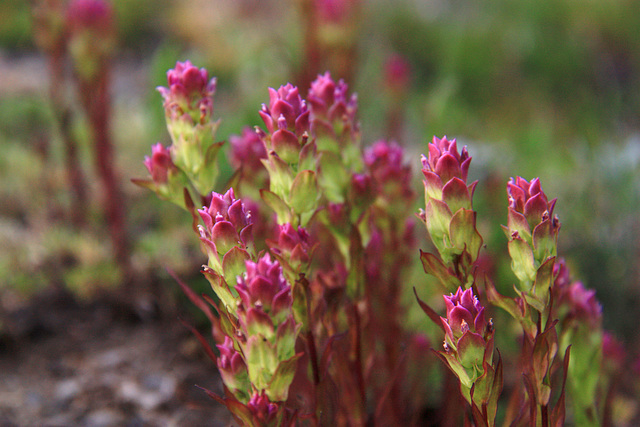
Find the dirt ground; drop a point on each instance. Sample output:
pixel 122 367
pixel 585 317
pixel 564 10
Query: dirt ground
pixel 67 364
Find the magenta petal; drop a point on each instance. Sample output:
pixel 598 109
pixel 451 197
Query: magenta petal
pixel 237 215
pixel 262 291
pixel 282 301
pixel 283 108
pixel 448 167
pixel 535 207
pixel 302 123
pixel 468 300
pixel 457 315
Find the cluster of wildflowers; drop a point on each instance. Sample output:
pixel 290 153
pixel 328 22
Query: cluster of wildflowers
pixel 310 321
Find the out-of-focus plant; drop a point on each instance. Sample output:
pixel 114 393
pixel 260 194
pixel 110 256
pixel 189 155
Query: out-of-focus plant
pixel 51 34
pixel 91 44
pixel 308 316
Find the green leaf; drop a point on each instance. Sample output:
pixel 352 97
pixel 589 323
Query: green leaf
pixel 463 232
pixel 278 205
pixel 304 192
pixel 433 266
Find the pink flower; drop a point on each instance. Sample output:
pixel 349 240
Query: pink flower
pixel 159 164
pixel 226 224
pixel 264 291
pixel 528 199
pixel 190 93
pixel 465 315
pixel 286 111
pixel 444 161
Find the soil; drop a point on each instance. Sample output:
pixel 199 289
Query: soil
pixel 63 363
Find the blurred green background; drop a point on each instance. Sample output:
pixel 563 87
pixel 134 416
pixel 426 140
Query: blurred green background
pixel 549 89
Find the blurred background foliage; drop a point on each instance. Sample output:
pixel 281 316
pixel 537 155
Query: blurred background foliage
pixel 549 89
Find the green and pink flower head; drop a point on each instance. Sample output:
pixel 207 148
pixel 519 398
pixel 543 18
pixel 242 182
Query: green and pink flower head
pixel 159 164
pixel 465 319
pixel 444 162
pixel 226 223
pixel 233 369
pixel 332 109
pixel 468 343
pixel 528 199
pixel 265 295
pixel 286 111
pixel 190 93
pixel 293 245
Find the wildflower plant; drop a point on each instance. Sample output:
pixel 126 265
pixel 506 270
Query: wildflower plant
pixel 310 257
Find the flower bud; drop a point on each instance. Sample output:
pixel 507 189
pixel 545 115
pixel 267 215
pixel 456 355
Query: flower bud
pixel 264 412
pixel 287 122
pixel 188 105
pixel 167 181
pixel 293 249
pixel 226 234
pixel 449 214
pixel 233 370
pixel 532 230
pixel 468 349
pixel 159 164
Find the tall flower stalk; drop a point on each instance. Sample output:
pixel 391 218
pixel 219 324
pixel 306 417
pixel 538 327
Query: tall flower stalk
pixel 91 45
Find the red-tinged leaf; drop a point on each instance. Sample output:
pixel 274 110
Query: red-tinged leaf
pixel 516 222
pixel 479 418
pixel 558 413
pixel 285 143
pixel 144 183
pixel 438 216
pixel 233 264
pixel 278 388
pixel 522 262
pixel 434 266
pixel 224 236
pixel 471 349
pixel 327 353
pixel 472 188
pixel 456 195
pixel 531 398
pixel 202 340
pixel 435 318
pixel 544 280
pixel 194 298
pixel 432 186
pixel 463 232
